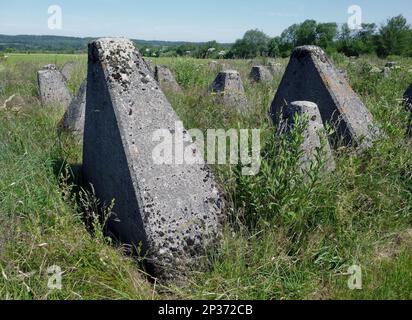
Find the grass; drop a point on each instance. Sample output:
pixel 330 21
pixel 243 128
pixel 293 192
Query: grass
pixel 289 237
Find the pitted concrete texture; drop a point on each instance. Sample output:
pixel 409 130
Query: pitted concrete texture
pixel 313 135
pixel 260 74
pixel 52 87
pixel 68 70
pixel 173 211
pixel 166 79
pixel 73 120
pixel 229 90
pixel 311 76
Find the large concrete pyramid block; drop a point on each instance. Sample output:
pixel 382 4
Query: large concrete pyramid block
pixel 73 119
pixel 229 90
pixel 52 87
pixel 311 76
pixel 312 136
pixel 173 210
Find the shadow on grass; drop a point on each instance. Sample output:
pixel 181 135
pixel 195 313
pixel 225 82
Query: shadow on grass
pixel 94 216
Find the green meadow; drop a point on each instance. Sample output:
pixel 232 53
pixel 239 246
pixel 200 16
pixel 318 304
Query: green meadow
pixel 287 237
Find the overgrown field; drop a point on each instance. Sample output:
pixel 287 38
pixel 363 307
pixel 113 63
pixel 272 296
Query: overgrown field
pixel 288 237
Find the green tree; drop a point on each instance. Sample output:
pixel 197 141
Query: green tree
pixel 395 37
pixel 274 47
pixel 288 40
pixel 326 34
pixel 254 43
pixel 355 43
pixel 306 33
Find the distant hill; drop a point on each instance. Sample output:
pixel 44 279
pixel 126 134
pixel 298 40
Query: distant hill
pixel 23 43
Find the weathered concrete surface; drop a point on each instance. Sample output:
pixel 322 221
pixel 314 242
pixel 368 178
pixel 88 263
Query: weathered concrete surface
pixel 314 135
pixel 408 105
pixel 166 79
pixel 68 70
pixel 260 74
pixel 173 211
pixel 229 90
pixel 311 76
pixel 52 87
pixel 73 119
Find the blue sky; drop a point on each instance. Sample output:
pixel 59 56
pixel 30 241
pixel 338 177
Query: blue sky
pixel 188 20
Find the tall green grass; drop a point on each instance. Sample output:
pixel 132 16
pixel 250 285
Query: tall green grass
pixel 289 237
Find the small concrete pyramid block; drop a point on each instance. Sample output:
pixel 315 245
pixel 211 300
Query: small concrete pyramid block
pixel 229 90
pixel 260 74
pixel 313 134
pixel 52 87
pixel 276 68
pixel 164 76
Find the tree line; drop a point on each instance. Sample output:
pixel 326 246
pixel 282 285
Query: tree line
pixel 392 38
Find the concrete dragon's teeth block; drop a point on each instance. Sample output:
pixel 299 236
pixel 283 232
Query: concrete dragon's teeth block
pixel 229 91
pixel 311 76
pixel 167 81
pixel 312 135
pixel 172 212
pixel 260 74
